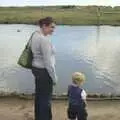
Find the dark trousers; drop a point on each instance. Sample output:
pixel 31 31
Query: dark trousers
pixel 43 94
pixel 77 111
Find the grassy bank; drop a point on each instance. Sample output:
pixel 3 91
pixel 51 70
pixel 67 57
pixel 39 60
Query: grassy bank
pixel 67 15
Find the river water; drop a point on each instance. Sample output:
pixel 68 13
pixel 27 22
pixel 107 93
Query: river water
pixel 89 49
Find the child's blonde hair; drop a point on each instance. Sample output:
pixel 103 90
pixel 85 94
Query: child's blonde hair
pixel 78 78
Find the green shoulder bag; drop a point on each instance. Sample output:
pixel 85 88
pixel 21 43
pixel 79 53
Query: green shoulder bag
pixel 25 59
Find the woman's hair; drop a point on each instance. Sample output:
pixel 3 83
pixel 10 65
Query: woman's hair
pixel 78 77
pixel 45 21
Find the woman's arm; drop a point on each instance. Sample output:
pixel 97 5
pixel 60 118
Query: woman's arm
pixel 46 51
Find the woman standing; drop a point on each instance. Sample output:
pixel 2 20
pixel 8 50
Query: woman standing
pixel 43 68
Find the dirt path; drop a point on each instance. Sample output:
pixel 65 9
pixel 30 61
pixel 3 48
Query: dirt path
pixel 19 109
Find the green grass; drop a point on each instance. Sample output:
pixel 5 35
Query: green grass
pixel 75 15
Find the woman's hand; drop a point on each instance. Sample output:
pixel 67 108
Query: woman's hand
pixel 55 81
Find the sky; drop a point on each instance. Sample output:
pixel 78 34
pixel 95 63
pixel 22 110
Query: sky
pixel 58 2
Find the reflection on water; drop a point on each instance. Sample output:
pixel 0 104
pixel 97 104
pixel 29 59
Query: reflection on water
pixel 106 57
pixel 94 51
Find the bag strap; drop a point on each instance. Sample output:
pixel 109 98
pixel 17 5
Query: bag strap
pixel 30 41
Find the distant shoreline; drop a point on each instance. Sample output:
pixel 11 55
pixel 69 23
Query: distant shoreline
pixel 63 15
pixel 114 25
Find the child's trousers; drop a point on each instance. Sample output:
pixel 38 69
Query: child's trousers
pixel 76 111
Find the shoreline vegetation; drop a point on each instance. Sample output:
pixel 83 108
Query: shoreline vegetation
pixel 90 97
pixel 63 15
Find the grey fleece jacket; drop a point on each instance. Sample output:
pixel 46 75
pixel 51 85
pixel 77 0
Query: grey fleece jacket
pixel 43 54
